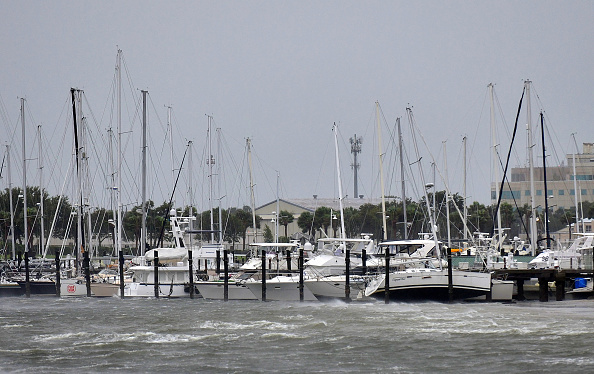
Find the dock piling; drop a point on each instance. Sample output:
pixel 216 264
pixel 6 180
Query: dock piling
pixel 57 259
pixel 450 277
pixel 347 283
pixel 27 280
pixel 191 271
pixel 301 294
pixel 121 268
pixel 226 274
pixel 156 275
pixel 387 275
pixel 263 275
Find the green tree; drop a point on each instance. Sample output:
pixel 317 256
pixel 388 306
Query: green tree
pixel 268 237
pixel 285 218
pixel 305 222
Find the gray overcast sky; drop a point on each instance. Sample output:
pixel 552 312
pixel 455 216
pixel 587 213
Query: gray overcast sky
pixel 281 72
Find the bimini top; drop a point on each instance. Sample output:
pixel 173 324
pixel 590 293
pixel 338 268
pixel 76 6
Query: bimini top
pixel 274 244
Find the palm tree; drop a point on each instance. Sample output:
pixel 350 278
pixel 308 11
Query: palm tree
pixel 285 218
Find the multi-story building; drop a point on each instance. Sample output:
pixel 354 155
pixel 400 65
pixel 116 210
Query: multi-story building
pixel 561 189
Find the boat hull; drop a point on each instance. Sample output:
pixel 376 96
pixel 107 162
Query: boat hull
pixel 281 290
pixel 333 287
pixel 44 287
pixel 11 289
pixel 135 289
pixel 215 291
pixel 431 285
pixel 105 289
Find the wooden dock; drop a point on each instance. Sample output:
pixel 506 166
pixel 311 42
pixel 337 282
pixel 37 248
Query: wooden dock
pixel 544 276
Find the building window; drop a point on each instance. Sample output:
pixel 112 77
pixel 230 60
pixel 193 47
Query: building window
pixel 538 192
pixel 572 192
pixel 584 192
pixel 527 193
pixel 588 228
pixel 561 192
pixel 509 195
pixel 549 192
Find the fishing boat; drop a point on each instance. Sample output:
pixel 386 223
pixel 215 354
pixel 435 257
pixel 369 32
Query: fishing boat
pixel 173 269
pixel 250 272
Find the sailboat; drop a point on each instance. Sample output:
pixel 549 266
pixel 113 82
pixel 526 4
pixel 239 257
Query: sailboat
pixel 423 275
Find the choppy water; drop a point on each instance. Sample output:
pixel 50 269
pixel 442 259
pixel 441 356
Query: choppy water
pixel 45 334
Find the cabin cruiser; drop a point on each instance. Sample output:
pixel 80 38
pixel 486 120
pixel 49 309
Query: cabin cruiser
pixel 419 275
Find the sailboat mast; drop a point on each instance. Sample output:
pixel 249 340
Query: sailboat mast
pixel 79 211
pixel 112 185
pixel 342 232
pixel 119 186
pixel 495 158
pixel 190 191
pixel 425 186
pixel 575 195
pixel 24 177
pixel 170 131
pixel 403 182
pixel 210 162
pixel 10 201
pixel 381 166
pixel 41 212
pixel 530 145
pixel 252 197
pixel 447 182
pixel 277 213
pixel 544 170
pixel 219 152
pixel 144 146
pixel 464 191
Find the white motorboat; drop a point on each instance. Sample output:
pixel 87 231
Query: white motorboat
pixel 281 288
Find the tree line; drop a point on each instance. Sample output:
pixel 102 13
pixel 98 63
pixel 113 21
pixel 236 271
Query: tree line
pixel 237 221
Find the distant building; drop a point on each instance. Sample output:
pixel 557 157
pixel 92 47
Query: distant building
pixel 299 206
pixel 561 192
pixel 569 232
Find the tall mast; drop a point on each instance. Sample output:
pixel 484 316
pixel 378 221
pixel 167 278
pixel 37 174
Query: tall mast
pixel 41 213
pixel 277 209
pixel 219 186
pixel 575 195
pixel 403 182
pixel 119 186
pixel 544 170
pixel 464 191
pixel 530 145
pixel 210 161
pixel 24 176
pixel 434 211
pixel 79 208
pixel 381 166
pixel 170 130
pixel 144 146
pixel 447 183
pixel 252 197
pixel 425 186
pixel 190 191
pixel 578 193
pixel 342 233
pixel 495 158
pixel 10 201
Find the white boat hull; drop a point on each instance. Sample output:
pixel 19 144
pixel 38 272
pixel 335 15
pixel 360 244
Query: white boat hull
pixel 333 287
pixel 281 289
pixel 215 291
pixel 136 289
pixel 431 284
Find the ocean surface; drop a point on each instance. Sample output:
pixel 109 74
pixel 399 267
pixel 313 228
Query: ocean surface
pixel 80 335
